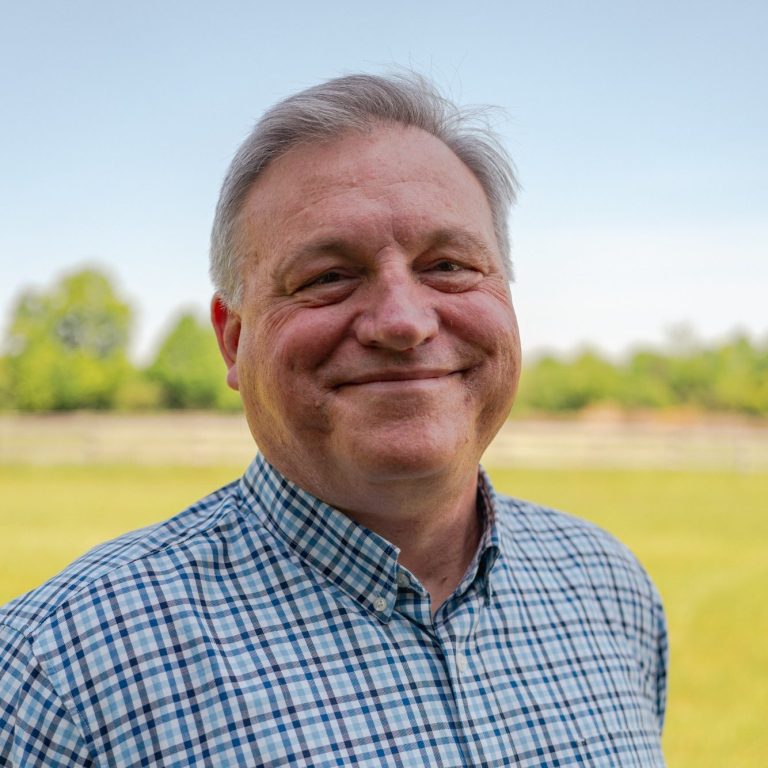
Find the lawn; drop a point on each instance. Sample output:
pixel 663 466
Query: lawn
pixel 702 536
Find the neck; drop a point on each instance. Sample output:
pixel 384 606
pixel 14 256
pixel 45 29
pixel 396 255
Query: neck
pixel 433 521
pixel 437 545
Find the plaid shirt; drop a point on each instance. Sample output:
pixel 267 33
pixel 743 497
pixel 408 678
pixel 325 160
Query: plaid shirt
pixel 262 627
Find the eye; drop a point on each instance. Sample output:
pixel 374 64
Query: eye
pixel 451 276
pixel 330 286
pixel 331 277
pixel 327 278
pixel 446 266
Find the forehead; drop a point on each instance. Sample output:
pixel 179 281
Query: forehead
pixel 391 177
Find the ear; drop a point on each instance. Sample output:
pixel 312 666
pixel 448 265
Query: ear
pixel 226 323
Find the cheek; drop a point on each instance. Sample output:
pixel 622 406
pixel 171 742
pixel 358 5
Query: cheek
pixel 508 358
pixel 488 324
pixel 291 349
pixel 489 327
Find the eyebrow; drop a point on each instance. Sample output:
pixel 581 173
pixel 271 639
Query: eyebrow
pixel 463 238
pixel 338 246
pixel 331 246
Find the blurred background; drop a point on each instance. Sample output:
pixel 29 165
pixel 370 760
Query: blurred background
pixel 640 244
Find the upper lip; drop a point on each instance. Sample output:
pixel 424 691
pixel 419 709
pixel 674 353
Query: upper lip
pixel 398 374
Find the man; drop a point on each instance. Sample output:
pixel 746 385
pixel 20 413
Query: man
pixel 361 596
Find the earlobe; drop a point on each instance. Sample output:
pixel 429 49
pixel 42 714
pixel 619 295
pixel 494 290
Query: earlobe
pixel 226 324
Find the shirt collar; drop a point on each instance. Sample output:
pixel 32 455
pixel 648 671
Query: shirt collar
pixel 489 547
pixel 355 559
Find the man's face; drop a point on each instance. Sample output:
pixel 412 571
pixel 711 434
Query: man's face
pixel 376 340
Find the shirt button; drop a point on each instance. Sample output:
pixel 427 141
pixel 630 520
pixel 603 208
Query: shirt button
pixel 461 663
pixel 379 604
pixel 402 579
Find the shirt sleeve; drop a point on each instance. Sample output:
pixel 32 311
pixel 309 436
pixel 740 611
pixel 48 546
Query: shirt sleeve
pixel 35 727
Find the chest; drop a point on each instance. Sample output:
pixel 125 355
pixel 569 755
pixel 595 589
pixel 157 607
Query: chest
pixel 327 684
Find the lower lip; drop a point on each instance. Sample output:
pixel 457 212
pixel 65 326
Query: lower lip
pixel 403 384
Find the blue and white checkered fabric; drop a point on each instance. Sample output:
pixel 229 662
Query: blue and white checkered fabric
pixel 260 627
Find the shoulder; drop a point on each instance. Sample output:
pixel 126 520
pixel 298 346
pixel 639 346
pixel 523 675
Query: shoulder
pixel 569 573
pixel 79 627
pixel 123 565
pixel 557 553
pixel 541 534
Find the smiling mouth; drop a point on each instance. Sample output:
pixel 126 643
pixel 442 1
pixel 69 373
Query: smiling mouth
pixel 395 377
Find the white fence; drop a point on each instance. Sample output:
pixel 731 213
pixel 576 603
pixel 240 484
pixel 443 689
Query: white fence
pixel 212 439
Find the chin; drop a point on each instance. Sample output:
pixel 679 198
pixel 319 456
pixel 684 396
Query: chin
pixel 407 458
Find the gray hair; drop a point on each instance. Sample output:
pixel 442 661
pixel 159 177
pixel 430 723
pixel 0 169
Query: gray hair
pixel 357 103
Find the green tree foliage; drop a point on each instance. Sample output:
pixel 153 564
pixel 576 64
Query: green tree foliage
pixel 558 385
pixel 644 381
pixel 741 380
pixel 189 370
pixel 6 394
pixel 67 347
pixel 732 376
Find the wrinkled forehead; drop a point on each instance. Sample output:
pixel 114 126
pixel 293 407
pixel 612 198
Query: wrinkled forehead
pixel 360 174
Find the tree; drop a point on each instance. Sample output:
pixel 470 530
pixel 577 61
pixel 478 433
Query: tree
pixel 67 347
pixel 741 381
pixel 189 369
pixel 6 397
pixel 550 384
pixel 645 381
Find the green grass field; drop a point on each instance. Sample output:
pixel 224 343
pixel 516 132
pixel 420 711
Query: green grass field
pixel 702 536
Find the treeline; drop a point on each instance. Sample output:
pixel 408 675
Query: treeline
pixel 67 348
pixel 727 377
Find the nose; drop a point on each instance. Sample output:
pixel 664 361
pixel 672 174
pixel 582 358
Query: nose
pixel 398 314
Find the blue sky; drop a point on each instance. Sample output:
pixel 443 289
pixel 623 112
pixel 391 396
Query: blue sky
pixel 639 130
